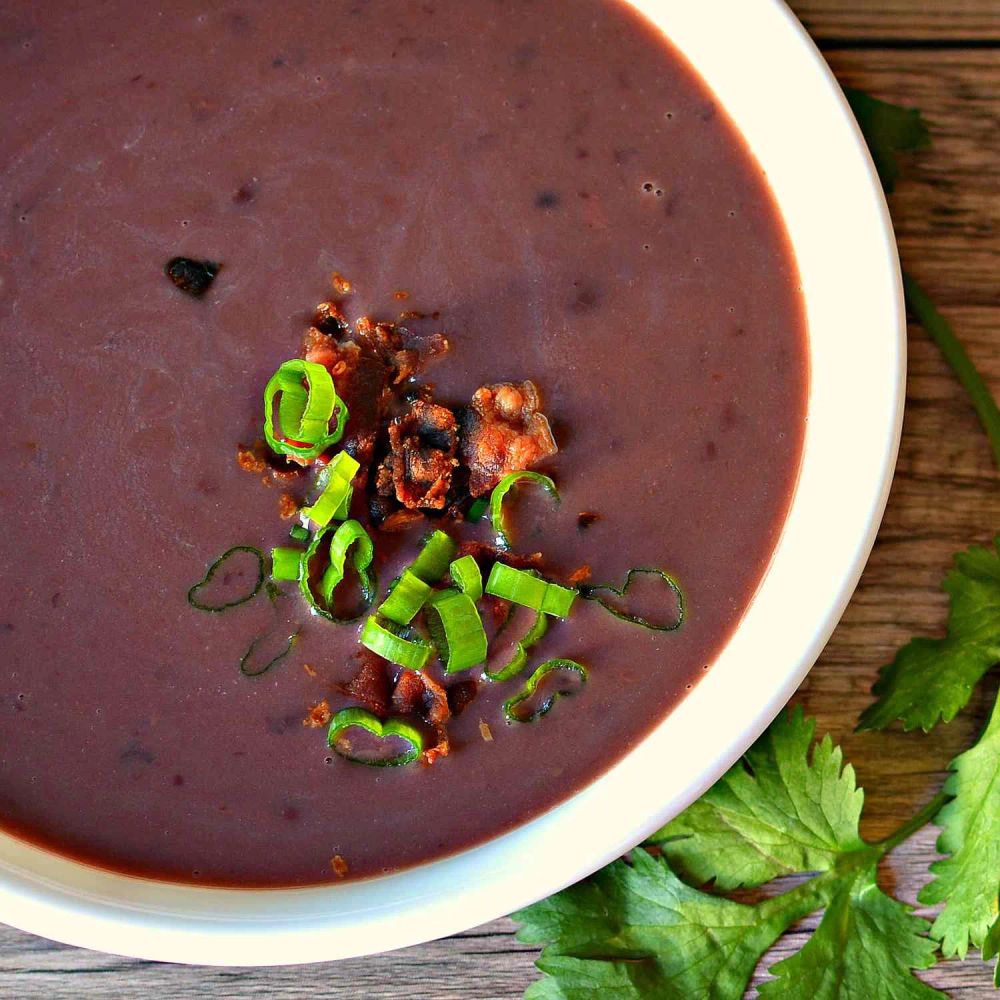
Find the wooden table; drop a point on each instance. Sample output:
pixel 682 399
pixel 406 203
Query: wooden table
pixel 940 55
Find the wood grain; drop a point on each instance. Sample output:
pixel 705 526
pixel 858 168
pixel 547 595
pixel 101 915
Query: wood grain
pixel 945 497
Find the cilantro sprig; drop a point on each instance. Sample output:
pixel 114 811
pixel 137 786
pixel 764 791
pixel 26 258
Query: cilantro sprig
pixel 648 927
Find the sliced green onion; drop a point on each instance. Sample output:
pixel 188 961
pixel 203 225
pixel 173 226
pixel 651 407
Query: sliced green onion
pixel 245 661
pixel 348 717
pixel 334 482
pixel 438 551
pixel 299 533
pixel 456 630
pixel 305 415
pixel 592 592
pixel 526 587
pixel 520 658
pixel 391 645
pixel 405 599
pixel 348 534
pixel 285 563
pixel 476 510
pixel 501 490
pixel 466 575
pixel 192 594
pixel 532 684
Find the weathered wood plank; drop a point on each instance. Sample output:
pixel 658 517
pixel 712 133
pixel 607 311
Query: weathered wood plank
pixel 900 20
pixel 945 496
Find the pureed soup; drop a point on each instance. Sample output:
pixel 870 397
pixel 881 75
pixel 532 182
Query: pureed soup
pixel 492 236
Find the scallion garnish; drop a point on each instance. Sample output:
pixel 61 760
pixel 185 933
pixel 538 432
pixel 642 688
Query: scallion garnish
pixel 531 685
pixel 334 482
pixel 347 535
pixel 456 630
pixel 501 490
pixel 391 645
pixel 406 598
pixel 466 575
pixel 476 510
pixel 348 717
pixel 526 587
pixel 591 592
pixel 438 551
pixel 192 594
pixel 285 563
pixel 304 416
pixel 245 660
pixel 520 658
pixel 299 533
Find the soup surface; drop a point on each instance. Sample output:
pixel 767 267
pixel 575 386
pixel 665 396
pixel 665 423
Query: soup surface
pixel 557 184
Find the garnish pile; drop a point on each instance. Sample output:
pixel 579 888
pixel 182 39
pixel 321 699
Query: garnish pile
pixel 353 423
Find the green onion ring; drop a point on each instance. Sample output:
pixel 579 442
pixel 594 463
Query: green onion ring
pixel 532 683
pixel 432 562
pixel 456 630
pixel 389 643
pixel 590 592
pixel 285 563
pixel 213 569
pixel 501 490
pixel 467 576
pixel 299 533
pixel 348 717
pixel 336 491
pixel 526 587
pixel 405 598
pixel 309 436
pixel 344 537
pixel 520 658
pixel 292 639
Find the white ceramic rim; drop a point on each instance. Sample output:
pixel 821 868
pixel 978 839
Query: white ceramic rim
pixel 768 74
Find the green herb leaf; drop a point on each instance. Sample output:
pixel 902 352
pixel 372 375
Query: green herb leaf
pixel 864 947
pixel 932 679
pixel 991 949
pixel 776 812
pixel 968 880
pixel 889 130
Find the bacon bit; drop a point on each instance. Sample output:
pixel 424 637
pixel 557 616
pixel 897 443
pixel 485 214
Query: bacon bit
pixel 485 731
pixel 441 749
pixel 503 431
pixel 407 363
pixel 338 866
pixel 411 314
pixel 461 695
pixel 370 685
pixel 319 715
pixel 401 296
pixel 401 520
pixel 416 692
pixel 328 319
pixel 340 284
pixel 249 459
pixel 586 518
pixel 309 669
pixel 422 456
pixel 288 506
pixel 484 552
pixel 438 710
pixel 580 575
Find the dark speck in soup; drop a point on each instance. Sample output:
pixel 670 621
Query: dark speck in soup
pixel 483 160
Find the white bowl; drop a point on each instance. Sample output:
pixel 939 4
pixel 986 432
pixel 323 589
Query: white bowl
pixel 770 77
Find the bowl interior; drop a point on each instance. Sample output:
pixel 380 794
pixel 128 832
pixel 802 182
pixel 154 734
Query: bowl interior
pixel 783 98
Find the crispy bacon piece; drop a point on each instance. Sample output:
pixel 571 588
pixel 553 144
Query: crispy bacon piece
pixel 338 866
pixel 401 520
pixel 418 468
pixel 329 319
pixel 370 685
pixel 502 432
pixel 441 749
pixel 461 695
pixel 319 715
pixel 250 459
pixel 580 575
pixel 418 693
pixel 484 554
pixel 288 506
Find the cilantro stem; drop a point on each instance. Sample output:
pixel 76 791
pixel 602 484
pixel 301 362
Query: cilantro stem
pixel 915 823
pixel 940 331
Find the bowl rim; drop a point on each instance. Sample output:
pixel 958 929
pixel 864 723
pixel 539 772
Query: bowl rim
pixel 854 302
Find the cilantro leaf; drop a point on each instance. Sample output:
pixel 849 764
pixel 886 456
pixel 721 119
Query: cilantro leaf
pixel 889 130
pixel 865 946
pixel 932 679
pixel 968 881
pixel 991 949
pixel 774 813
pixel 637 931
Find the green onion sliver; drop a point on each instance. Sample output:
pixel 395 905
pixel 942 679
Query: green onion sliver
pixel 388 643
pixel 347 535
pixel 334 501
pixel 476 510
pixel 405 599
pixel 592 592
pixel 285 563
pixel 520 658
pixel 466 575
pixel 503 488
pixel 299 533
pixel 192 595
pixel 348 717
pixel 531 685
pixel 304 416
pixel 432 563
pixel 456 630
pixel 247 658
pixel 527 588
